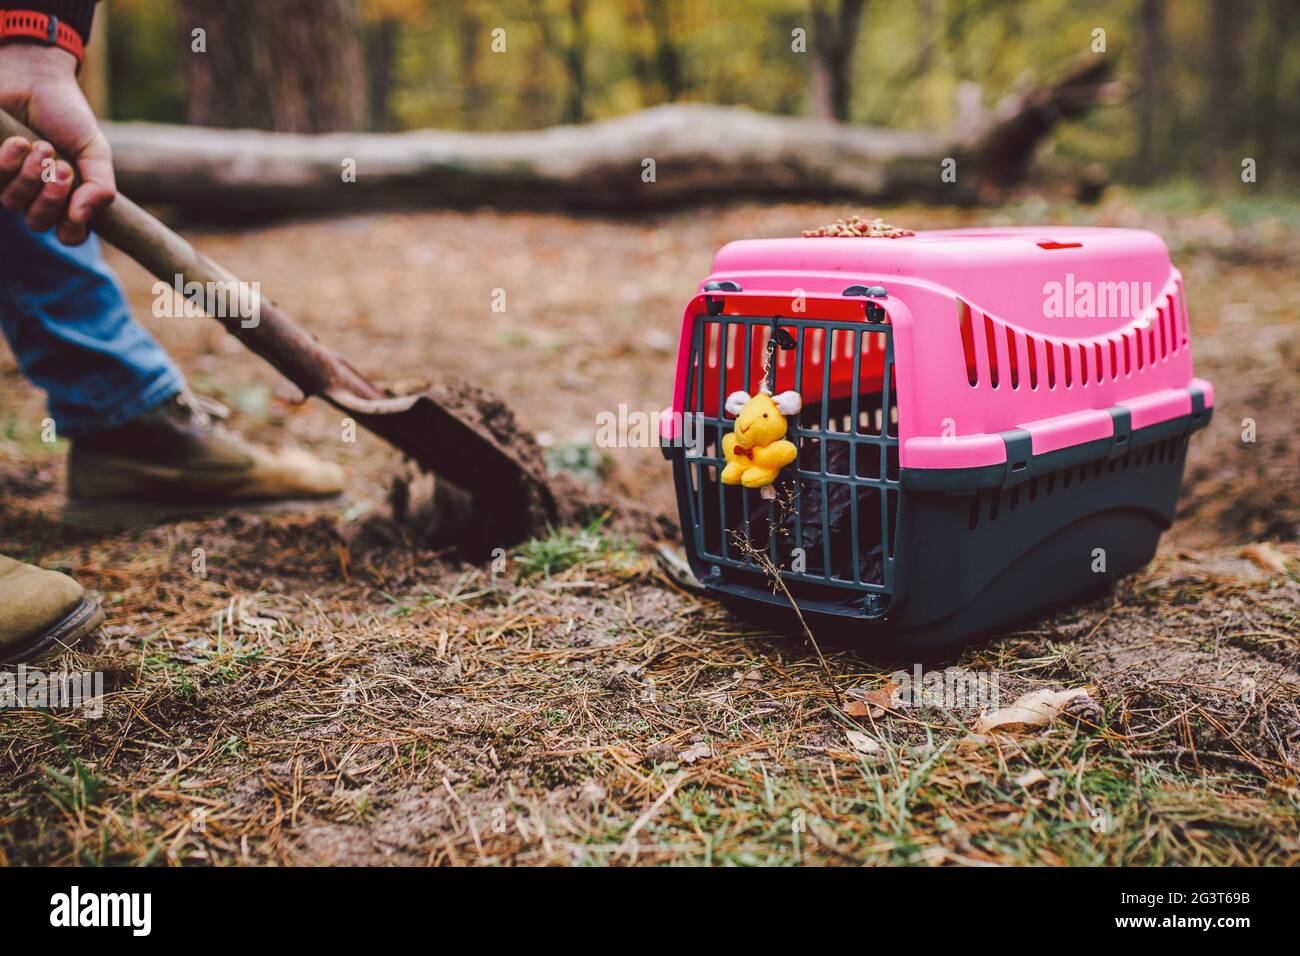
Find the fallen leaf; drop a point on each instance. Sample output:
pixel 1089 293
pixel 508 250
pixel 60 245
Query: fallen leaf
pixel 872 703
pixel 1084 710
pixel 1035 709
pixel 1264 556
pixel 695 752
pixel 883 697
pixel 823 834
pixel 661 752
pixel 1034 776
pixel 863 743
pixel 674 565
pixel 860 708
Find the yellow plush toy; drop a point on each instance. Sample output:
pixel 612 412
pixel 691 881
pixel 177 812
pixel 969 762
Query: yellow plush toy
pixel 756 449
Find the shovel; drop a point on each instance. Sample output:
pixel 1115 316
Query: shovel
pixel 461 435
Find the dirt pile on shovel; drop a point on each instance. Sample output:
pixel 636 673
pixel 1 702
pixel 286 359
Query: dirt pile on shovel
pixel 474 514
pixel 426 510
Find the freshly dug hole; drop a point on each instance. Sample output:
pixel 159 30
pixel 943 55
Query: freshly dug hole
pixel 428 512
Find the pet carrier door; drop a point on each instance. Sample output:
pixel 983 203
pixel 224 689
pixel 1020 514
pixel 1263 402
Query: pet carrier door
pixel 831 527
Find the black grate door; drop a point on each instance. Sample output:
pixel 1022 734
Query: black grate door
pixel 832 527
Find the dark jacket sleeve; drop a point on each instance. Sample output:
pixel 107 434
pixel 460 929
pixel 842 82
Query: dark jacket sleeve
pixel 78 14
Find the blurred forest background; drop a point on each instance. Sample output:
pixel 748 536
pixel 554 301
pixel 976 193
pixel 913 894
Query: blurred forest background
pixel 1208 82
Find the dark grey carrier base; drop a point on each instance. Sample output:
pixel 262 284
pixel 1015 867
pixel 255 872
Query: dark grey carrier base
pixel 977 551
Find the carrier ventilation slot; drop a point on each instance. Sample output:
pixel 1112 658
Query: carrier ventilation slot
pixel 1128 352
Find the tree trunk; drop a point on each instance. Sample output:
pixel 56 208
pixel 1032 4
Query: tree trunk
pixel 1150 92
pixel 94 78
pixel 288 65
pixel 471 54
pixel 380 60
pixel 1225 69
pixel 701 153
pixel 1269 118
pixel 576 62
pixel 835 35
pixel 572 53
pixel 667 59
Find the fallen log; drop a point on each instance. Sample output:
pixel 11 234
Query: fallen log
pixel 698 153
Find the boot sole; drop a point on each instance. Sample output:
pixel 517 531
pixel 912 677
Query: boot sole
pixel 81 622
pixel 119 515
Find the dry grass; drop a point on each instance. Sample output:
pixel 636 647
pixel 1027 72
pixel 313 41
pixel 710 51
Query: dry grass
pixel 408 711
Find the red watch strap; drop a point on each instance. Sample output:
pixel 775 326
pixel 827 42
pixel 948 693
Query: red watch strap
pixel 41 26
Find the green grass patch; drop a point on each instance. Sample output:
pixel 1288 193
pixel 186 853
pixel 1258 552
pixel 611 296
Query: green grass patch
pixel 566 548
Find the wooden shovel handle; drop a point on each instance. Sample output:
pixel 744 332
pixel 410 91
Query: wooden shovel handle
pixel 315 369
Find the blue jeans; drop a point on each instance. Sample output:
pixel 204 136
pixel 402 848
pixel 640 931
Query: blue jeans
pixel 71 330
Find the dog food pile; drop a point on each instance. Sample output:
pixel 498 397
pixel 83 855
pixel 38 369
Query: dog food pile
pixel 857 227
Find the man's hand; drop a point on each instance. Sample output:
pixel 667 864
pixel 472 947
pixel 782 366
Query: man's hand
pixel 38 84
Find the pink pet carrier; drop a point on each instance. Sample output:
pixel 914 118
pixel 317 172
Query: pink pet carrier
pixel 993 423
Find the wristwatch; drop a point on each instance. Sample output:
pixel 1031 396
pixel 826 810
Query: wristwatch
pixel 42 27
